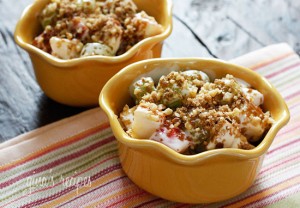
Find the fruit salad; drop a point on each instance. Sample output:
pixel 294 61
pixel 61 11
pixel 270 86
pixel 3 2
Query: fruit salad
pixel 78 28
pixel 190 113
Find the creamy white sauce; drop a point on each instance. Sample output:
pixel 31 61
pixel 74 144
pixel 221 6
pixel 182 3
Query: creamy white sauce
pixel 155 74
pixel 144 123
pixel 253 96
pixel 173 142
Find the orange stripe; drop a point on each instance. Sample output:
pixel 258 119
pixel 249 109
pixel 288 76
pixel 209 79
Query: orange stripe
pixel 270 61
pixel 62 143
pixel 139 200
pixel 279 140
pixel 291 102
pixel 265 193
pixel 82 190
pixel 131 189
pixel 294 117
pixel 123 201
pixel 286 137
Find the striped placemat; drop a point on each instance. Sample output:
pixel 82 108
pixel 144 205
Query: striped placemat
pixel 74 162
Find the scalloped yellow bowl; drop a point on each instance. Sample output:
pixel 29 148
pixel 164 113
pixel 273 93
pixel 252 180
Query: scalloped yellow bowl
pixel 210 176
pixel 78 82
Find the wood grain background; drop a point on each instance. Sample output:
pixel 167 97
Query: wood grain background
pixel 202 28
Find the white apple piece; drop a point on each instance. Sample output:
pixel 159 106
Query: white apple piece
pixel 227 136
pixel 173 138
pixel 146 121
pixel 91 49
pixel 65 48
pixel 147 25
pixel 253 96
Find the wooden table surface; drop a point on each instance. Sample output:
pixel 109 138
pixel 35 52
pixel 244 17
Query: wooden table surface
pixel 208 28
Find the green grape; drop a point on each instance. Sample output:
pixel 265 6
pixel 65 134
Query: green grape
pixel 142 87
pixel 87 5
pixel 48 14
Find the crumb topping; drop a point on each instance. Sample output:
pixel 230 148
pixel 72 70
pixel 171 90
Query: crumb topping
pixel 115 23
pixel 209 115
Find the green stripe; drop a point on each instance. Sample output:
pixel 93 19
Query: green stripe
pixel 279 65
pixel 56 178
pixel 42 159
pixel 289 201
pixel 60 172
pixel 283 79
pixel 73 162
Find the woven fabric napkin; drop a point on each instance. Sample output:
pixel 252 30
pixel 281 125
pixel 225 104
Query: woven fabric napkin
pixel 74 162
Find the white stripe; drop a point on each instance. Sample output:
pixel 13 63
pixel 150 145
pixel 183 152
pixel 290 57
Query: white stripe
pixel 100 194
pixel 267 184
pixel 270 175
pixel 268 163
pixel 56 155
pixel 284 88
pixel 277 177
pixel 276 197
pixel 59 188
pixel 58 170
pixel 284 77
pixel 280 154
pixel 53 155
pixel 276 66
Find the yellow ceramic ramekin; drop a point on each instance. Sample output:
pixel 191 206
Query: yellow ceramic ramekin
pixel 78 82
pixel 210 176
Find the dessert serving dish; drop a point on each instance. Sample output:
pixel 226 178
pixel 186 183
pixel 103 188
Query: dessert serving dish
pixel 78 81
pixel 209 176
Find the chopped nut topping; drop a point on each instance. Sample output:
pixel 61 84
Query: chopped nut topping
pixel 115 23
pixel 207 115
